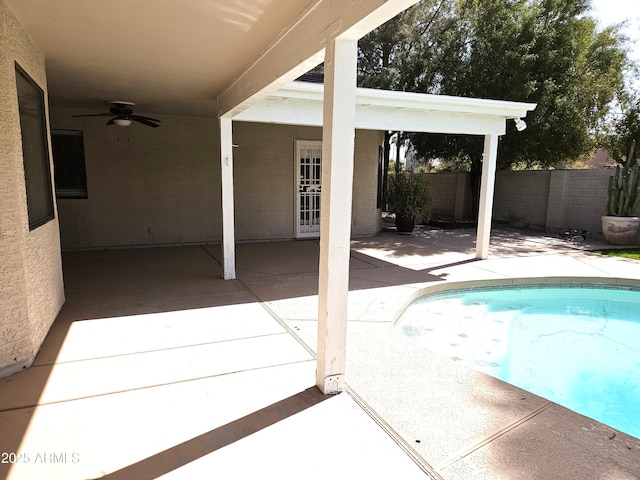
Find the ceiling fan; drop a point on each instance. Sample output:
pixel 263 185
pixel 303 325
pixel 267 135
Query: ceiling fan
pixel 124 115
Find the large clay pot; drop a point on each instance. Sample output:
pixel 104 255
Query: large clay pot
pixel 404 225
pixel 620 230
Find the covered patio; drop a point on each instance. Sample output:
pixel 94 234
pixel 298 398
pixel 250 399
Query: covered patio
pixel 214 377
pixel 190 69
pixel 156 367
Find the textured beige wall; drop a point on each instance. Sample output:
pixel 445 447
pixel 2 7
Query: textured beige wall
pixel 540 200
pixel 162 186
pixel 521 198
pixel 264 178
pixel 31 286
pixel 146 186
pixel 366 217
pixel 264 169
pixel 577 199
pixel 444 188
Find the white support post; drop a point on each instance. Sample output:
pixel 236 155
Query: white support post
pixel 489 158
pixel 335 214
pixel 228 224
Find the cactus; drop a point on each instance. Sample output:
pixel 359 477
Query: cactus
pixel 624 188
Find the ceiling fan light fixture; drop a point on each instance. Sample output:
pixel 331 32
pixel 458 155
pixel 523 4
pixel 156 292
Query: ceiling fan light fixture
pixel 122 114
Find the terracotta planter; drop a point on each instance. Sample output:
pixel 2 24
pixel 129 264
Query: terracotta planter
pixel 620 230
pixel 404 225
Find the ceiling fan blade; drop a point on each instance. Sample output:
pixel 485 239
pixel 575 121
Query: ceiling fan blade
pixel 121 112
pixel 141 117
pixel 144 121
pixel 95 115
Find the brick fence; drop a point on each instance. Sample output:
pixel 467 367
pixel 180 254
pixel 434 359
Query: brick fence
pixel 548 200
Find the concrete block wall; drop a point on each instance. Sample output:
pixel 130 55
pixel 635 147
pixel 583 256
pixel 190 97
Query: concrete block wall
pixel 366 217
pixel 521 198
pixel 451 194
pixel 577 199
pixel 162 186
pixel 146 186
pixel 548 200
pixel 264 174
pixel 443 192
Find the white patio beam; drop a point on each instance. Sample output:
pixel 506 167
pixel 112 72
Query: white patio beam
pixel 304 112
pixel 489 161
pixel 300 103
pixel 228 208
pixel 301 46
pixel 338 138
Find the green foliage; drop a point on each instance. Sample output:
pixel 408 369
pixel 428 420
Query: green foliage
pixel 624 130
pixel 409 195
pixel 545 51
pixel 394 56
pixel 624 188
pixel 630 253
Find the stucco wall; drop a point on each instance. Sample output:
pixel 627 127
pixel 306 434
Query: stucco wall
pixel 31 286
pixel 162 186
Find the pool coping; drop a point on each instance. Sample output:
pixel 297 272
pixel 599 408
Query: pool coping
pixel 451 286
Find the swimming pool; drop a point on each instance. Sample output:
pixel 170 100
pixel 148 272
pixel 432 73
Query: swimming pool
pixel 578 346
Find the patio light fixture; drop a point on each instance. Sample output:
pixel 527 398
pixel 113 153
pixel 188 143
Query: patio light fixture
pixel 520 124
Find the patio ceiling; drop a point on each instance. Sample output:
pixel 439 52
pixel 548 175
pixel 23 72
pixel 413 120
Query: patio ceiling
pixel 193 57
pixel 167 56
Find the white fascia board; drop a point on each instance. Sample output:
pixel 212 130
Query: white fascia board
pixel 443 103
pixel 414 101
pixel 285 111
pixel 300 103
pixel 432 121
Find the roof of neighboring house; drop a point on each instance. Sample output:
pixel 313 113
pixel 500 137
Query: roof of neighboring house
pixel 311 77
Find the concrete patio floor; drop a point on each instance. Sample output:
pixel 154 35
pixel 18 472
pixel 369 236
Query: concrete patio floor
pixel 158 368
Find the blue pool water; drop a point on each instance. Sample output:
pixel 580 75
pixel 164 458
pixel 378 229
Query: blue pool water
pixel 576 346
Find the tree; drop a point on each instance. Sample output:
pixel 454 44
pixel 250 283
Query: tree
pixel 403 53
pixel 624 131
pixel 548 52
pixel 393 57
pixel 544 51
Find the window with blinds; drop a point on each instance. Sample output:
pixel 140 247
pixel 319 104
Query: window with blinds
pixel 69 166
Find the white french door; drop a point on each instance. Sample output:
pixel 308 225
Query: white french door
pixel 308 187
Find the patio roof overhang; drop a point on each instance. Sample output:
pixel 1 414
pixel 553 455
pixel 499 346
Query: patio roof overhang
pixel 301 103
pixel 340 108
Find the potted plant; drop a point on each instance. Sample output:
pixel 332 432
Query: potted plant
pixel 409 198
pixel 620 225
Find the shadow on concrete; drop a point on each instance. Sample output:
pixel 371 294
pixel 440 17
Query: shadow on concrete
pixel 284 270
pixel 106 283
pixel 197 447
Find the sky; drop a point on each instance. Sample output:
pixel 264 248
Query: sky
pixel 616 11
